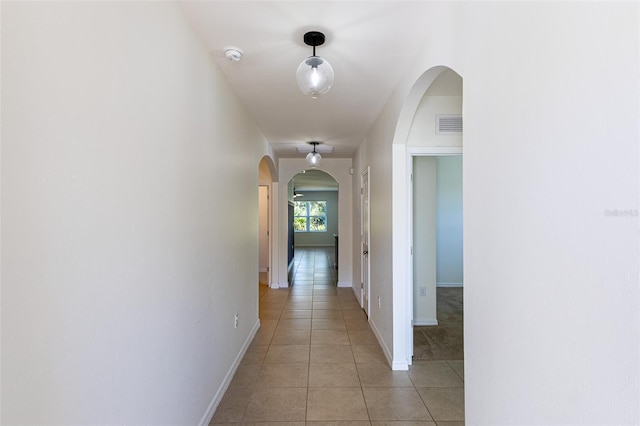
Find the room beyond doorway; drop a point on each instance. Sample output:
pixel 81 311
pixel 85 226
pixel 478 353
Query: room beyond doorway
pixel 437 226
pixel 445 341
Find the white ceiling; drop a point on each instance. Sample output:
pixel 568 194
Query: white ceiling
pixel 368 43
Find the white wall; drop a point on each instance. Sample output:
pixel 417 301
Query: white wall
pixel 263 228
pixel 121 267
pixel 560 112
pixel 338 168
pixel 423 127
pixel 550 150
pixel 425 208
pixel 449 248
pixel 374 154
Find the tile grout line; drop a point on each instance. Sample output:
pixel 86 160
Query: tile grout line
pixel 319 290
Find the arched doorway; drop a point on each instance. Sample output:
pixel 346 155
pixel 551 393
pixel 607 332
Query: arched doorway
pixel 314 218
pixel 436 235
pixel 266 174
pixel 416 136
pixel 339 170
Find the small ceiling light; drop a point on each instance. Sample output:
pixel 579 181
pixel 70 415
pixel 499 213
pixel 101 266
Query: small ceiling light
pixel 315 74
pixel 233 53
pixel 313 157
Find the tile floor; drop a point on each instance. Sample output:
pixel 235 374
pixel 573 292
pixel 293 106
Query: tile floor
pixel 315 361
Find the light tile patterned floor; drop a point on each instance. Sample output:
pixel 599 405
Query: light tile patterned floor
pixel 315 361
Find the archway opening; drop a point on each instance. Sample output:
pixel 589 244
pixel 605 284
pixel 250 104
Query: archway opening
pixel 313 222
pixel 437 242
pixel 266 174
pixel 403 154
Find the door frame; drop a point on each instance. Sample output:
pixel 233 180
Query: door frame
pixel 268 224
pixel 365 262
pixel 411 153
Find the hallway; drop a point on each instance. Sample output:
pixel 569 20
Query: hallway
pixel 315 359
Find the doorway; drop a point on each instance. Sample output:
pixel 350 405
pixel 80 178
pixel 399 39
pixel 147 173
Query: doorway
pixel 437 258
pixel 313 216
pixel 364 233
pixel 266 173
pixel 430 123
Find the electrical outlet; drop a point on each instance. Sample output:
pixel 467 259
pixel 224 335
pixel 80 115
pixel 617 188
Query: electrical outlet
pixel 378 302
pixel 236 320
pixel 423 291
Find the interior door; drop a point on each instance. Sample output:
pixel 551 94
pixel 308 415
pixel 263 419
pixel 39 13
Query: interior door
pixel 364 228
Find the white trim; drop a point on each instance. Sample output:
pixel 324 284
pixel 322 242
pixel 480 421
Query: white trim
pixel 274 270
pixel 344 284
pixel 270 231
pixel 213 405
pixel 402 311
pixel 385 349
pixel 280 285
pixel 426 321
pixel 358 294
pixel 416 151
pixel 365 262
pixel 409 219
pixel 400 366
pixel 449 285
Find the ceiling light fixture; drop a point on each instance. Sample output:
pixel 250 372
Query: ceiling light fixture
pixel 313 157
pixel 314 74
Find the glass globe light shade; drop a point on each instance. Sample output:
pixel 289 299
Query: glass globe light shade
pixel 315 76
pixel 314 159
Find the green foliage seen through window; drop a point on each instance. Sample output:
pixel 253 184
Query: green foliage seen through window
pixel 310 216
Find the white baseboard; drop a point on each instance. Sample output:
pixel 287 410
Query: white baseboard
pixel 344 284
pixel 280 285
pixel 449 285
pixel 358 294
pixel 400 366
pixel 425 321
pixel 213 405
pixel 385 349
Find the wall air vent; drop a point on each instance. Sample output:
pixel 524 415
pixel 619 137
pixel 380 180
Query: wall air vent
pixel 448 124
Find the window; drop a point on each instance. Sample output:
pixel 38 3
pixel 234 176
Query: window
pixel 310 216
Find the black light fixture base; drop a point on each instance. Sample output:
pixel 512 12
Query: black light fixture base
pixel 314 38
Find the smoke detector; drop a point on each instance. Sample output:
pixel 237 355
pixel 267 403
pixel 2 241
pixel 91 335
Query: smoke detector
pixel 233 53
